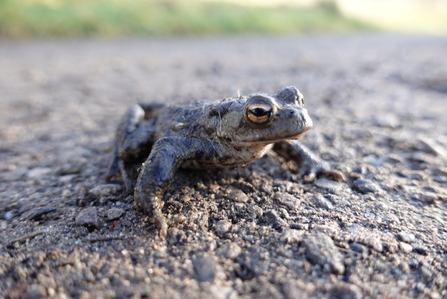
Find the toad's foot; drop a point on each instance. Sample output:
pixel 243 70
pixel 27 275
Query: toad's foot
pixel 159 170
pixel 152 205
pixel 310 166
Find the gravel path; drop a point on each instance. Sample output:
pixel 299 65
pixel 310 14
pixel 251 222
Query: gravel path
pixel 378 103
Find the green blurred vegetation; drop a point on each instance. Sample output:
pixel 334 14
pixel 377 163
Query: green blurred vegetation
pixel 112 18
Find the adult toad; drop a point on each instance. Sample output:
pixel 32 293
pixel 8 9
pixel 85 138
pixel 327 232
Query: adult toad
pixel 206 135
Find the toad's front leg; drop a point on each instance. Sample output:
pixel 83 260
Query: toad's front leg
pixel 158 172
pixel 309 164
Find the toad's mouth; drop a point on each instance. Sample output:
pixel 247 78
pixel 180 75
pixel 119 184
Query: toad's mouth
pixel 267 140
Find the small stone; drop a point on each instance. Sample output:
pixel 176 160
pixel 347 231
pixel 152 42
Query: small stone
pixel 81 231
pixel 35 291
pixel 236 194
pixel 406 237
pixel 291 236
pixel 175 236
pixel 428 197
pixel 37 214
pixel 66 193
pixel 356 247
pixel 114 213
pixel 405 247
pixel 104 190
pixel 254 261
pixel 229 250
pixel 88 217
pixel 392 218
pixel 297 289
pixel 255 211
pixel 64 179
pixel 222 292
pixel 205 268
pixel 378 277
pixel 421 250
pixel 14 175
pixel 38 172
pixel 221 227
pixel 344 290
pixel 329 185
pixel 386 121
pixel 326 229
pixel 430 146
pixel 366 186
pixel 288 200
pixel 321 202
pixel 425 272
pixel 272 218
pixel 320 249
pixel 8 215
pixel 413 263
pixel 73 168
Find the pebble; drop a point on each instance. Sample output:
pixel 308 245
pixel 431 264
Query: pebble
pixel 405 247
pixel 229 250
pixel 329 185
pixel 421 250
pixel 114 213
pixel 356 247
pixel 221 227
pixel 344 290
pixel 34 291
pixel 73 168
pixel 105 190
pixel 222 292
pixel 66 178
pixel 15 174
pixel 386 121
pixel 37 214
pixel 326 229
pixel 254 261
pixel 291 236
pixel 430 146
pixel 320 249
pixel 205 268
pixel 88 217
pixel 288 200
pixel 236 194
pixel 392 218
pixel 406 237
pixel 8 215
pixel 366 186
pixel 428 197
pixel 272 218
pixel 378 277
pixel 38 172
pixel 321 202
pixel 175 236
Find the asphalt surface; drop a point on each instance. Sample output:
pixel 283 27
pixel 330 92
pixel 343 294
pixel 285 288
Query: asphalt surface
pixel 378 103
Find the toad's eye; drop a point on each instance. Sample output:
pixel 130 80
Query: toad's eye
pixel 300 101
pixel 259 113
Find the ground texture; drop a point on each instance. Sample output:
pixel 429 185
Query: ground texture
pixel 379 105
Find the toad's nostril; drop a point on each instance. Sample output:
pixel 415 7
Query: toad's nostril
pixel 291 113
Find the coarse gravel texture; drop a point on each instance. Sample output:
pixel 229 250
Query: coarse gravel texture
pixel 379 105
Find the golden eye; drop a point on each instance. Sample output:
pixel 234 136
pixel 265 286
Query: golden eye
pixel 259 113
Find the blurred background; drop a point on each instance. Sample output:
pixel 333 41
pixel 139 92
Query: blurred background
pixel 115 18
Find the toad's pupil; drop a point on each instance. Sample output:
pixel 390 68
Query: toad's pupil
pixel 258 112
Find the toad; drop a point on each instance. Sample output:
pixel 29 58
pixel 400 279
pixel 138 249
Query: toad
pixel 206 135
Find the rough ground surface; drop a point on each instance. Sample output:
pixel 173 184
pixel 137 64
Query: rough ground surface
pixel 379 106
